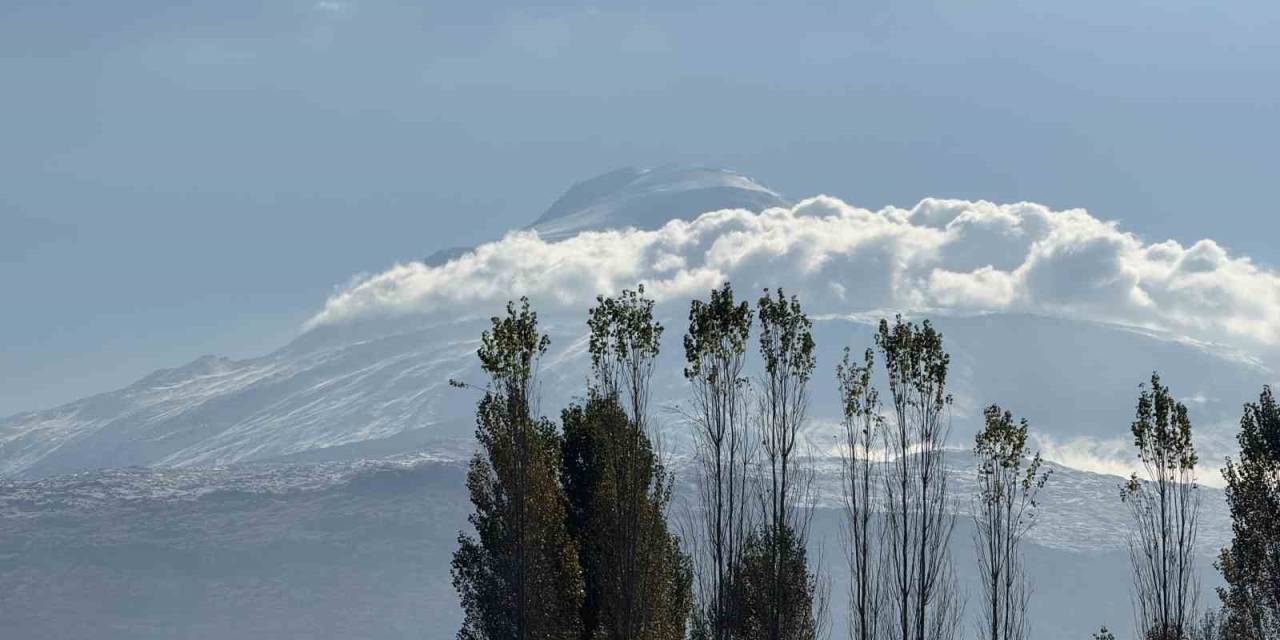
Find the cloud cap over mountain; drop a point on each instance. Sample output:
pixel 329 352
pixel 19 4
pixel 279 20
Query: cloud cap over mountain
pixel 940 254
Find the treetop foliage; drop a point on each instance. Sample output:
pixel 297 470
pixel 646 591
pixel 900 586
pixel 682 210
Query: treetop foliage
pixel 786 338
pixel 509 349
pixel 1161 429
pixel 718 329
pixel 1251 564
pixel 519 577
pixel 1002 444
pixel 622 328
pixel 914 358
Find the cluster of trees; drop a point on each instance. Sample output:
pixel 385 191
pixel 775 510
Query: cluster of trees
pixel 1164 506
pixel 749 533
pixel 571 527
pixel 574 539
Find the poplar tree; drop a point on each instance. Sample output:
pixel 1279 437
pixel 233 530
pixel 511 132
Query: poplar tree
pixel 777 596
pixel 1009 479
pixel 518 577
pixel 1165 509
pixel 922 596
pixel 1251 564
pixel 860 477
pixel 715 356
pixel 637 578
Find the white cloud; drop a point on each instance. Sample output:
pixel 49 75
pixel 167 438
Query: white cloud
pixel 941 254
pixel 1112 457
pixel 1116 457
pixel 331 6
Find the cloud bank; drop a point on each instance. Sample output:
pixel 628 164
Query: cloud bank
pixel 941 254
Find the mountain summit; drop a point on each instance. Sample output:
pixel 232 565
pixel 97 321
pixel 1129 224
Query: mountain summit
pixel 641 199
pixel 649 198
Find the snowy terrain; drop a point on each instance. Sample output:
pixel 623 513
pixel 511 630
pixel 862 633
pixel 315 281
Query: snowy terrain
pixel 361 549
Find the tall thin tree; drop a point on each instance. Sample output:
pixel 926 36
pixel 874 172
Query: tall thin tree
pixel 923 597
pixel 1251 564
pixel 624 344
pixel 1005 510
pixel 637 578
pixel 863 536
pixel 1165 508
pixel 518 578
pixel 715 358
pixel 779 597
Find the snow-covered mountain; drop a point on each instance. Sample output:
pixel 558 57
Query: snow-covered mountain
pixel 389 394
pixel 183 487
pixel 382 386
pixel 377 384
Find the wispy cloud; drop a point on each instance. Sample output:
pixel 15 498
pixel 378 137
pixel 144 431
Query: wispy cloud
pixel 1116 457
pixel 331 6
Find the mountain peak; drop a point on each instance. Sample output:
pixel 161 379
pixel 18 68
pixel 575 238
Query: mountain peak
pixel 649 198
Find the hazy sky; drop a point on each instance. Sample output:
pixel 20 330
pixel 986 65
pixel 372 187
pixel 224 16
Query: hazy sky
pixel 187 180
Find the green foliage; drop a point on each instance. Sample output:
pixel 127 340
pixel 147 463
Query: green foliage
pixel 916 362
pixel 718 330
pixel 518 577
pixel 786 338
pixel 774 578
pixel 1251 564
pixel 863 430
pixel 1008 483
pixel 624 337
pixel 638 581
pixel 715 355
pixel 1104 634
pixel 859 399
pixel 923 600
pixel 637 578
pixel 1165 511
pixel 1161 429
pixel 510 349
pixel 1001 449
pixel 773 598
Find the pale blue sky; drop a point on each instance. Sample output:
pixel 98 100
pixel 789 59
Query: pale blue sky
pixel 188 180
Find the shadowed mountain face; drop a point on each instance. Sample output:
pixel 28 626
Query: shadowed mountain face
pixel 361 550
pixel 307 551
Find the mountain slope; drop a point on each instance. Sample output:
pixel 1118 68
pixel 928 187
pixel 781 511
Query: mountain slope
pixel 361 549
pixel 1074 380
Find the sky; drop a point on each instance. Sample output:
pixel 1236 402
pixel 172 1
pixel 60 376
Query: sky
pixel 185 180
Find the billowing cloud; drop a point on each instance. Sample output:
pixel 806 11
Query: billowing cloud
pixel 941 254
